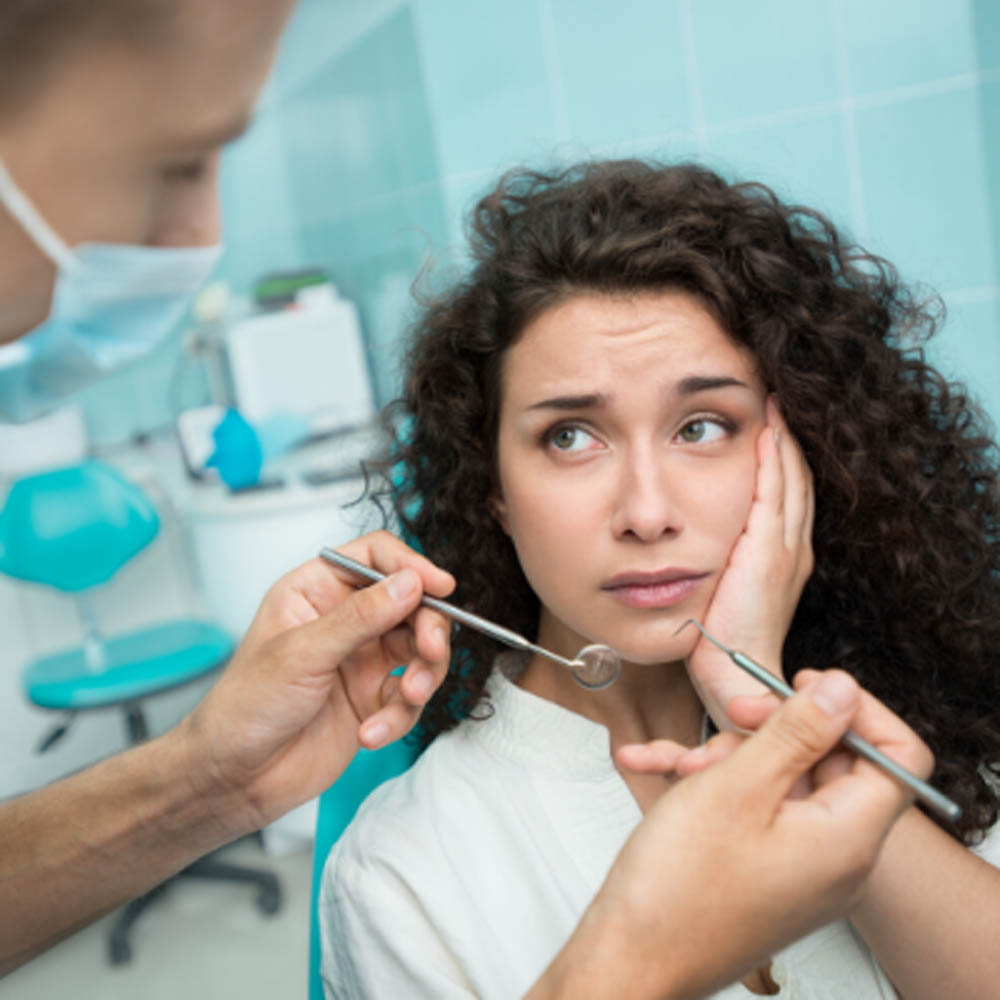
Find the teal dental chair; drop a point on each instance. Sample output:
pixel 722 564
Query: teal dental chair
pixel 337 806
pixel 72 529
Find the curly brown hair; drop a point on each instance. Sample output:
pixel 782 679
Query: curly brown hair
pixel 906 590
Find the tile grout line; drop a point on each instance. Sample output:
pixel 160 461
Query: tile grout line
pixel 553 70
pixel 692 71
pixel 848 121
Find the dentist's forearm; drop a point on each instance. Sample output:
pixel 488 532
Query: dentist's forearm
pixel 75 850
pixel 598 962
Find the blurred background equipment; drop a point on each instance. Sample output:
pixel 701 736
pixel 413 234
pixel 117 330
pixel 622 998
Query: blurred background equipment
pixel 73 529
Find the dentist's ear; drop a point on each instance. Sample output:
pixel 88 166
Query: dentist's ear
pixel 499 511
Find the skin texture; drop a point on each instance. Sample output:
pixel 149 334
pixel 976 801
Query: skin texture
pixel 603 435
pixel 763 837
pixel 122 141
pixel 308 685
pixel 904 468
pixel 620 472
pixel 121 145
pixel 889 461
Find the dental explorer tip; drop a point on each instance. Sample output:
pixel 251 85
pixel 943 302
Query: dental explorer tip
pixel 690 621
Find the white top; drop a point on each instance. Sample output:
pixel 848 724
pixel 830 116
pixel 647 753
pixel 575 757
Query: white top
pixel 468 873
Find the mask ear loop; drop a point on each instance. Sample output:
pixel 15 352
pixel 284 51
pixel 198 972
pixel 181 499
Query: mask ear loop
pixel 44 236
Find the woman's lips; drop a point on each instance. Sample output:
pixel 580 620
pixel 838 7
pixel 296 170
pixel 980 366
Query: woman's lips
pixel 654 590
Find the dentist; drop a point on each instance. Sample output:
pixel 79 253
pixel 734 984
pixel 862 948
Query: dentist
pixel 112 115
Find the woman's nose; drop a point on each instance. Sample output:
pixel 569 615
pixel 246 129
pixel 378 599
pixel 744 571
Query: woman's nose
pixel 646 503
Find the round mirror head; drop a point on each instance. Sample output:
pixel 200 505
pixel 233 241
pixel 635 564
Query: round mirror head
pixel 596 667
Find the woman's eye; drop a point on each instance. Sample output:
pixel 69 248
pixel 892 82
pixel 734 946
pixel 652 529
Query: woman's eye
pixel 700 431
pixel 570 439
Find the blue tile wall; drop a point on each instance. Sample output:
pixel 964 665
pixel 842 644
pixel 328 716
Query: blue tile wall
pixel 804 160
pixel 758 58
pixel 902 43
pixel 986 29
pixel 926 189
pixel 384 119
pixel 606 101
pixel 966 349
pixel 487 82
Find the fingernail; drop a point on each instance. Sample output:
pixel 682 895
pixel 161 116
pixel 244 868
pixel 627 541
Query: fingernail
pixel 375 734
pixel 834 693
pixel 422 683
pixel 777 436
pixel 402 584
pixel 696 754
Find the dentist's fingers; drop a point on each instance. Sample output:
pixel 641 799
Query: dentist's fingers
pixel 881 727
pixel 798 735
pixel 655 757
pixel 717 749
pixel 398 714
pixel 363 617
pixel 387 554
pixel 431 654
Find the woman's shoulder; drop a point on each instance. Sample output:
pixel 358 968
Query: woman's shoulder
pixel 989 847
pixel 402 813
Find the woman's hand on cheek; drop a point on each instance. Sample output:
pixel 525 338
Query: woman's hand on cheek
pixel 755 600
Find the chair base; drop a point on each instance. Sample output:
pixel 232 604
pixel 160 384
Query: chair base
pixel 268 899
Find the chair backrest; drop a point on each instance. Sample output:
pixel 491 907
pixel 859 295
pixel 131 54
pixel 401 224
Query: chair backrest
pixel 337 806
pixel 74 528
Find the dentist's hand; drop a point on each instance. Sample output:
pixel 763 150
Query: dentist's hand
pixel 726 869
pixel 753 605
pixel 311 682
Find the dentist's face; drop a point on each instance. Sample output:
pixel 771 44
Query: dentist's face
pixel 119 141
pixel 627 458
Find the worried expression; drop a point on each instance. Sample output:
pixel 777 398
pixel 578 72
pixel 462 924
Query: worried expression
pixel 627 458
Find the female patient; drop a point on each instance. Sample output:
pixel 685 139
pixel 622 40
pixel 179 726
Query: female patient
pixel 659 396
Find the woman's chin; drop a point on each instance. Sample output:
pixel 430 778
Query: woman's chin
pixel 651 654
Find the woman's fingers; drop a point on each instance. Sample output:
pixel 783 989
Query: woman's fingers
pixel 752 711
pixel 797 485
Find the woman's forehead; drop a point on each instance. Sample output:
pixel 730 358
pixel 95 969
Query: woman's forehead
pixel 593 338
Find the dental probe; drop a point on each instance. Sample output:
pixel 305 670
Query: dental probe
pixel 595 666
pixel 930 796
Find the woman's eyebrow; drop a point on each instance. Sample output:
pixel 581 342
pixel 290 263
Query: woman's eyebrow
pixel 691 384
pixel 590 401
pixel 687 386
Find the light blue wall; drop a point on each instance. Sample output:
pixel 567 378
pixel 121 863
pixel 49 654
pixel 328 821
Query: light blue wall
pixel 384 119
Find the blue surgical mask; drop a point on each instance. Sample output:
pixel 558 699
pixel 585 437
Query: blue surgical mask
pixel 111 305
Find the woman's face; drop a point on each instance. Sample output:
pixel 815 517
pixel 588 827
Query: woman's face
pixel 627 459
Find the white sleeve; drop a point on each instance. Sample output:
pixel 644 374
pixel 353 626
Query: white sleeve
pixel 376 938
pixel 989 849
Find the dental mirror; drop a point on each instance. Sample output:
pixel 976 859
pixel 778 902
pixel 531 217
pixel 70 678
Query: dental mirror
pixel 594 667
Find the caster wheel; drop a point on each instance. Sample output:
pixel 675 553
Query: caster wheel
pixel 269 900
pixel 119 952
